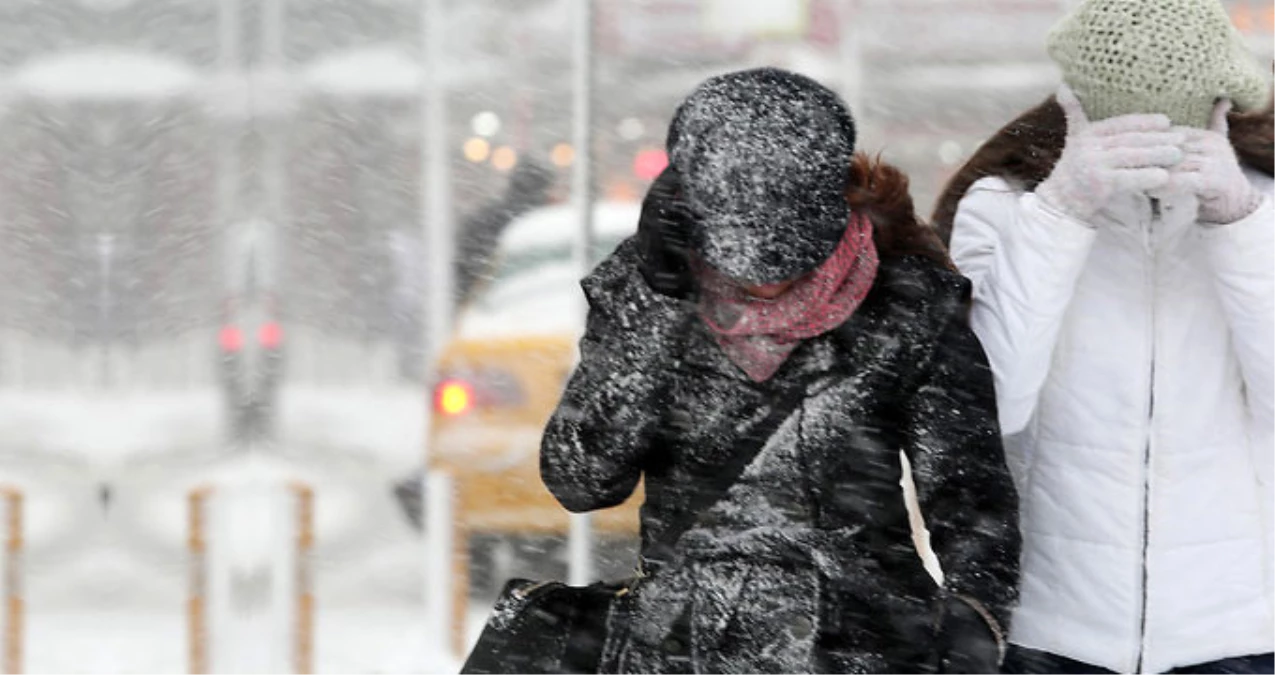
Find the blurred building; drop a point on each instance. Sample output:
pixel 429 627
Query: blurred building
pixel 116 202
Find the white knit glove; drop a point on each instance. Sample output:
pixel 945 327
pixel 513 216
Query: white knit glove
pixel 1212 171
pixel 1120 155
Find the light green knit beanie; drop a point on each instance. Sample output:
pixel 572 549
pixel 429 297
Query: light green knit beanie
pixel 1156 56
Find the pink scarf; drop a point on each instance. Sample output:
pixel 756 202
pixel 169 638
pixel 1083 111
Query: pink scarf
pixel 759 334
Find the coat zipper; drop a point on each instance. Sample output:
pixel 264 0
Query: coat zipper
pixel 1146 457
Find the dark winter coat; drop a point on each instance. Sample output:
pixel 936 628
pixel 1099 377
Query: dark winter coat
pixel 808 564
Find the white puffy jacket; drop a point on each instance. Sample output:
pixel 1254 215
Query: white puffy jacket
pixel 1134 374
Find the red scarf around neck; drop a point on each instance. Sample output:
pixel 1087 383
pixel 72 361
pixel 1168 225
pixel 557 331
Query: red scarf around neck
pixel 759 334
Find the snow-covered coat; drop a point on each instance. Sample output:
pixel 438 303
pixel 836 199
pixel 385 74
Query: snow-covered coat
pixel 808 564
pixel 1133 366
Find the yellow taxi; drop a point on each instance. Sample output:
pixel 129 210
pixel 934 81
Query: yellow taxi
pixel 502 374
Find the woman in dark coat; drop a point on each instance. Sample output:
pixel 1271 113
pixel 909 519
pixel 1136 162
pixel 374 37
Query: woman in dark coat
pixel 812 288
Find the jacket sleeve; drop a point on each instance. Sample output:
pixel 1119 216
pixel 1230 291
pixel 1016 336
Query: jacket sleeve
pixel 592 449
pixel 963 485
pixel 1024 259
pixel 1240 254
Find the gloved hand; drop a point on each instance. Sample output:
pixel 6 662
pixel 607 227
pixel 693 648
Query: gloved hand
pixel 1120 155
pixel 664 238
pixel 1212 171
pixel 966 641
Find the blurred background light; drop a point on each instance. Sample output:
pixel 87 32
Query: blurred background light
pixel 562 155
pixel 485 124
pixel 504 158
pixel 631 129
pixel 477 149
pixel 649 163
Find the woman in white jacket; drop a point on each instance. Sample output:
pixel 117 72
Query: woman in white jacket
pixel 1121 243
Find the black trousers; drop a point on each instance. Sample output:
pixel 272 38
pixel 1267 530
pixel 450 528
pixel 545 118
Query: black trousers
pixel 1024 660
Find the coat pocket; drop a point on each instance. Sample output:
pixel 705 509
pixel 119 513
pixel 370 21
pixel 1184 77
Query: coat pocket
pixel 876 622
pixel 768 622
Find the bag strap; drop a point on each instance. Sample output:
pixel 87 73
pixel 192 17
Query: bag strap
pixel 707 496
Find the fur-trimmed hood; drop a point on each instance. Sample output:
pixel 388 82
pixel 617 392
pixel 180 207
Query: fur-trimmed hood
pixel 1026 150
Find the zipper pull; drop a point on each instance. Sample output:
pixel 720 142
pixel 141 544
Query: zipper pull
pixel 1148 232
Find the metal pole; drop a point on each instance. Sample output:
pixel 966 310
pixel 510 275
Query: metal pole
pixel 851 52
pixel 274 63
pixel 435 188
pixel 228 29
pixel 12 597
pixel 439 549
pixel 272 20
pixel 438 305
pixel 580 540
pixel 229 71
pixel 104 249
pixel 436 214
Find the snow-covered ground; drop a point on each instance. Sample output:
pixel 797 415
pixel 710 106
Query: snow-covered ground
pixel 372 639
pixel 106 582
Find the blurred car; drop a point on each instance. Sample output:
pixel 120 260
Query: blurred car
pixel 503 372
pixel 250 345
pixel 250 350
pixel 499 379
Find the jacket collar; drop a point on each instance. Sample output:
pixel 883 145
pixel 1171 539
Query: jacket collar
pixel 1152 224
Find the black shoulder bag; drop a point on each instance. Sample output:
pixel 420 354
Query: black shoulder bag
pixel 552 627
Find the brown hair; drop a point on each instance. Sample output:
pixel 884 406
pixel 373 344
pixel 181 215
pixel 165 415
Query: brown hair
pixel 1253 135
pixel 880 191
pixel 1025 152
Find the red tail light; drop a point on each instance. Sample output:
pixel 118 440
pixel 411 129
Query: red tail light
pixel 270 335
pixel 230 339
pixel 453 397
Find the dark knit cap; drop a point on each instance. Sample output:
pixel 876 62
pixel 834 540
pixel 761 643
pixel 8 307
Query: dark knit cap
pixel 764 156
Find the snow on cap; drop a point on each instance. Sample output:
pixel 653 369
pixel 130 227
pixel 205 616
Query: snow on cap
pixel 764 156
pixel 1175 57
